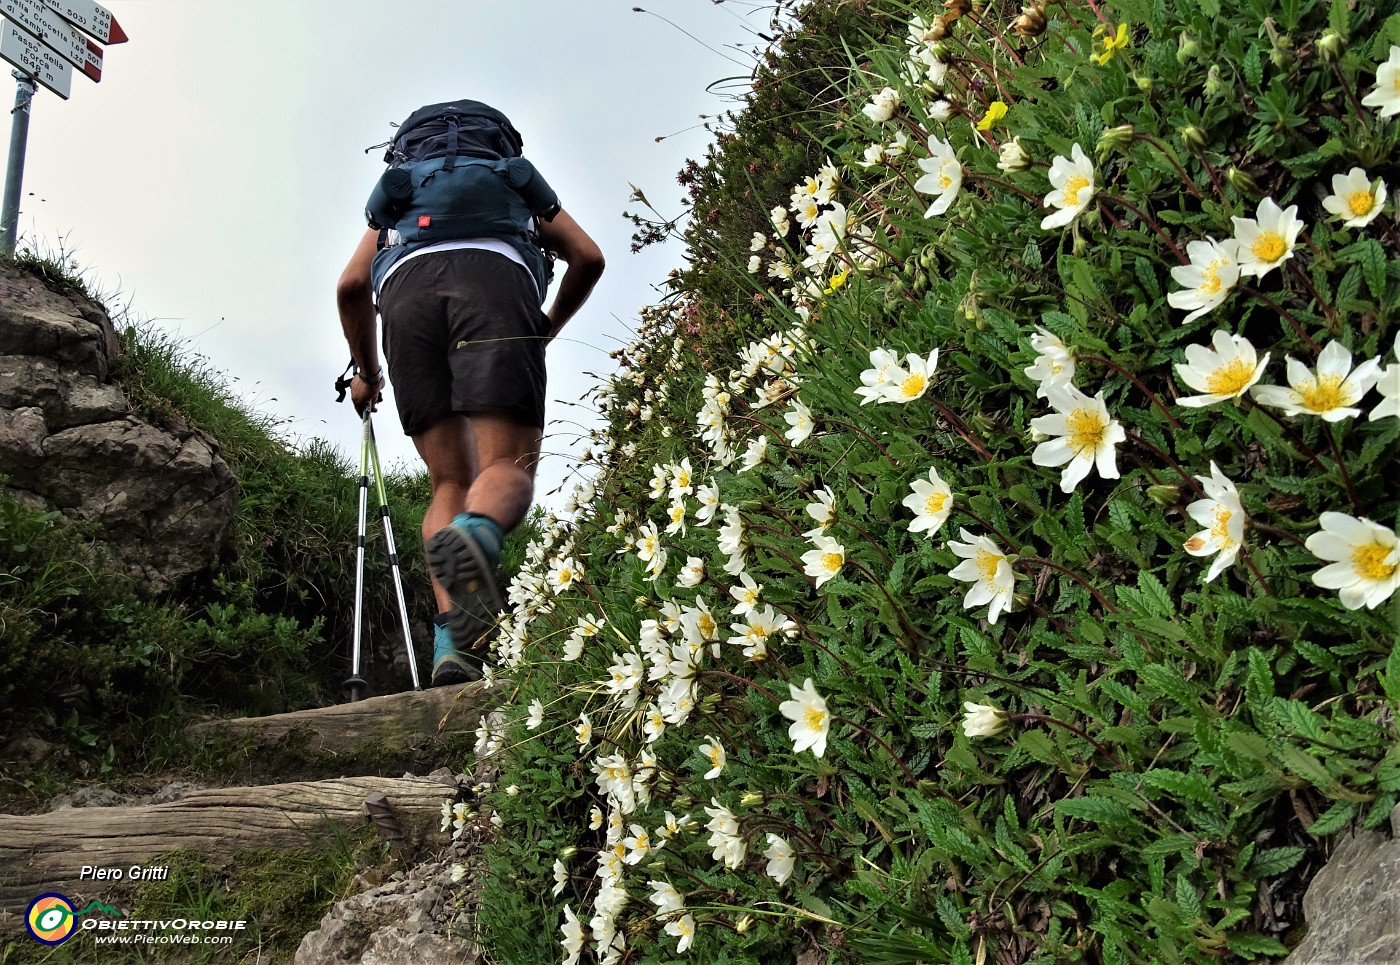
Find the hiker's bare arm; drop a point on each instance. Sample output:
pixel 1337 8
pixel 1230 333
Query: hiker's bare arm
pixel 564 237
pixel 355 302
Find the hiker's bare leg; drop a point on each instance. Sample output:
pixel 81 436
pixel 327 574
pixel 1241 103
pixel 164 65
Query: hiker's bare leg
pixel 506 454
pixel 446 447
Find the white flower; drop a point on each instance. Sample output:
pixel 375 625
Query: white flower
pixel 942 177
pixel 565 573
pixel 459 872
pixel 1331 393
pixel 676 514
pixel 931 501
pixel 583 730
pixel 1355 198
pixel 779 219
pixel 755 453
pixel 986 567
pixel 745 595
pixel 983 720
pixel 755 264
pixel 638 845
pixel 1222 372
pixel 1386 96
pixel 1083 435
pixel 731 533
pixel 728 844
pixel 595 819
pixel 882 105
pixel 683 928
pixel 666 898
pixel 824 562
pixel 759 242
pixel 874 155
pixel 1074 188
pixel 781 858
pixel 940 110
pixel 911 382
pixel 1224 518
pixel 799 420
pixel 1054 361
pixel 809 716
pixel 754 632
pixel 822 509
pixel 874 380
pixel 1266 240
pixel 1208 279
pixel 1013 156
pixel 708 494
pixel 1367 559
pixel 574 936
pixel 1388 385
pixel 561 877
pixel 536 717
pixel 713 751
pixel 692 574
pixel 830 228
pixel 898 147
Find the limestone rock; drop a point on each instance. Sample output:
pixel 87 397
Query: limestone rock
pixel 1352 907
pixel 162 496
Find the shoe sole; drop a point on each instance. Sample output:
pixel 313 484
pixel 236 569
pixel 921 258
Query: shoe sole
pixel 459 564
pixel 453 669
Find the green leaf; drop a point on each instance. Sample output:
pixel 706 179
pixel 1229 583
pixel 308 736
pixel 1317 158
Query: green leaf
pixel 1099 810
pixel 1299 719
pixel 1335 818
pixel 1371 257
pixel 1253 68
pixel 1275 861
pixel 1306 766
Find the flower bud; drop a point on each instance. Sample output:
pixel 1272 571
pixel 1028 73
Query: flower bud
pixel 744 923
pixel 1014 157
pixel 1214 85
pixel 1242 182
pixel 1164 495
pixel 1330 45
pixel 752 799
pixel 1115 139
pixel 568 852
pixel 1192 138
pixel 940 110
pixel 1032 21
pixel 1143 82
pixel 1187 48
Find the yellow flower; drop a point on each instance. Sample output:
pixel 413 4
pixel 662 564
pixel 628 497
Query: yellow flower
pixel 995 112
pixel 837 280
pixel 1112 43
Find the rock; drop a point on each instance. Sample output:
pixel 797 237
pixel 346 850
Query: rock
pixel 1352 907
pixel 162 496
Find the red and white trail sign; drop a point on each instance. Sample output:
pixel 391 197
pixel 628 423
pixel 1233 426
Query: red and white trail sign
pixel 35 59
pixel 36 17
pixel 92 19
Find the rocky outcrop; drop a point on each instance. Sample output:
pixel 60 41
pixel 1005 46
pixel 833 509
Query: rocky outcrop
pixel 1352 907
pixel 161 496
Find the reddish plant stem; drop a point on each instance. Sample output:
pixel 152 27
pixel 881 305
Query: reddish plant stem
pixel 1342 468
pixel 1046 718
pixel 961 429
pixel 1189 479
pixel 1276 531
pixel 1282 313
pixel 988 179
pixel 1166 238
pixel 913 778
pixel 1249 562
pixel 1171 159
pixel 861 432
pixel 1303 447
pixel 907 627
pixel 1328 311
pixel 1103 601
pixel 1171 420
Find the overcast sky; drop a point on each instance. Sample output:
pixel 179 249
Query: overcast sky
pixel 217 174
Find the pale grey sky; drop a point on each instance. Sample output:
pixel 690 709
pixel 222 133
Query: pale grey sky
pixel 217 174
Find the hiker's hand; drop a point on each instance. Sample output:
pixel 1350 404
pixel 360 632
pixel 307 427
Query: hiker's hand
pixel 365 394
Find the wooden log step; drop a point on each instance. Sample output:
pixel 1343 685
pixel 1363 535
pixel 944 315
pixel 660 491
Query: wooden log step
pixel 384 735
pixel 48 852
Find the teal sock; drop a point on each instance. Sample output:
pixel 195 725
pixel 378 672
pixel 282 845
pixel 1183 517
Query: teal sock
pixel 485 530
pixel 442 638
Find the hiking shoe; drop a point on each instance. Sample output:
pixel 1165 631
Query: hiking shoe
pixel 449 666
pixel 461 566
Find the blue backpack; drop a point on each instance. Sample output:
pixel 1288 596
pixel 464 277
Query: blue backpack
pixel 455 172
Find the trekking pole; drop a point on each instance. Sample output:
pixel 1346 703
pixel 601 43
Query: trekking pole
pixel 393 551
pixel 355 686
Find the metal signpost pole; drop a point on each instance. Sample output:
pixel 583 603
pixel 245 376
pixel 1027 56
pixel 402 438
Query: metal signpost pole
pixel 14 169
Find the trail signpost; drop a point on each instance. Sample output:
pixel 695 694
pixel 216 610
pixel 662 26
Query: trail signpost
pixel 44 40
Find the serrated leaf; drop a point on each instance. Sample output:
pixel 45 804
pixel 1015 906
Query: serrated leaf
pixel 1193 787
pixel 1303 764
pixel 1333 819
pixel 1275 861
pixel 1253 68
pixel 1101 811
pixel 1371 258
pixel 1299 719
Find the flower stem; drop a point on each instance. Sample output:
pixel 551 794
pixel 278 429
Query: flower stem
pixel 1342 468
pixel 1046 718
pixel 1171 420
pixel 913 778
pixel 1150 223
pixel 1103 600
pixel 1282 313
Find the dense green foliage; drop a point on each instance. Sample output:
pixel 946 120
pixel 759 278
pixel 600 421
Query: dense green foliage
pixel 1180 709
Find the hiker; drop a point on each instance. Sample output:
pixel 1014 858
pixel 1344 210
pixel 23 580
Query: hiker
pixel 458 258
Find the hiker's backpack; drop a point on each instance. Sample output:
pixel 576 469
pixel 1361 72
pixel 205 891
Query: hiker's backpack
pixel 455 172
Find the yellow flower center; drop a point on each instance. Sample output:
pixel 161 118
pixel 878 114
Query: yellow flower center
pixel 1210 280
pixel 714 755
pixel 1231 378
pixel 935 503
pixel 987 564
pixel 706 625
pixel 1361 203
pixel 814 717
pixel 1370 563
pixel 566 575
pixel 1323 395
pixel 1269 246
pixel 832 561
pixel 677 513
pixel 1086 431
pixel 1220 528
pixel 1070 192
pixel 913 385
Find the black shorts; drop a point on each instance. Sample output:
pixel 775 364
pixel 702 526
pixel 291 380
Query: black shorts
pixel 464 333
